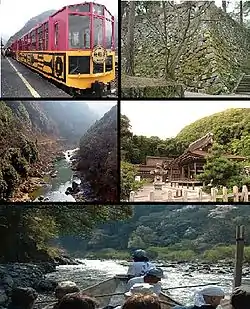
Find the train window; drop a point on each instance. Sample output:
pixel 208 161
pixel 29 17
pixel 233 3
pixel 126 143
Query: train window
pixel 40 38
pixel 108 34
pixel 33 40
pixel 79 31
pixel 80 8
pixel 98 35
pixel 108 15
pixel 98 9
pixel 46 36
pixel 56 35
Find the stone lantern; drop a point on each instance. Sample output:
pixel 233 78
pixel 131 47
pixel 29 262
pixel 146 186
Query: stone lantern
pixel 158 173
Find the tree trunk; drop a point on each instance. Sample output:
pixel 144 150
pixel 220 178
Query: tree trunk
pixel 224 6
pixel 123 7
pixel 129 68
pixel 241 13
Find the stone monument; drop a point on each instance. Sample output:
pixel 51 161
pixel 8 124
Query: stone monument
pixel 158 173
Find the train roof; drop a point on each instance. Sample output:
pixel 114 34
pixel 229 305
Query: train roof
pixel 63 8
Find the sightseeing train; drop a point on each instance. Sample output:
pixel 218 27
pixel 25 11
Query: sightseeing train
pixel 74 47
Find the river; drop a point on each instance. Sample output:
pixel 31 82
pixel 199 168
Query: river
pixel 94 271
pixel 57 186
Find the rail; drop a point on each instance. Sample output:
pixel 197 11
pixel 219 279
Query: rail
pixel 239 81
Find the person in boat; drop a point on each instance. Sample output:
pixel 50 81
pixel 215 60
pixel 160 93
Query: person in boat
pixel 23 298
pixel 77 301
pixel 153 277
pixel 240 298
pixel 140 264
pixel 207 298
pixel 137 289
pixel 64 288
pixel 145 301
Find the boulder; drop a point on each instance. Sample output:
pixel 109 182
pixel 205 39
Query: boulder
pixel 3 298
pixel 45 285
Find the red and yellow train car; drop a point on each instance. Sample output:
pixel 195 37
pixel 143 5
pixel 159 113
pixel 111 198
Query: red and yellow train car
pixel 74 47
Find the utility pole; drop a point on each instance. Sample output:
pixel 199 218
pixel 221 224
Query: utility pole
pixel 241 13
pixel 239 255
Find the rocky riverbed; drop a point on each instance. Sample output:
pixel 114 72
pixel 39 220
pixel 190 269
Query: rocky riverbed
pixel 29 275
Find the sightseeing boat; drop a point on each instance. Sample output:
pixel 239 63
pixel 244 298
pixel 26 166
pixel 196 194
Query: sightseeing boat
pixel 110 292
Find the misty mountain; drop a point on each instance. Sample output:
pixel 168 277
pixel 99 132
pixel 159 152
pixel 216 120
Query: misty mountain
pixel 30 24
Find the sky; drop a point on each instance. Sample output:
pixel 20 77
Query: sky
pixel 19 12
pixel 100 107
pixel 166 118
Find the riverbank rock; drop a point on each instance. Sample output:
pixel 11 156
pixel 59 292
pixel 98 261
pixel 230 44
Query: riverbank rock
pixel 24 275
pixel 66 260
pixel 74 189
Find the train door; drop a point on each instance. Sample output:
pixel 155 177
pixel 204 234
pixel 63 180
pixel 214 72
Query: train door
pixel 59 58
pixel 56 36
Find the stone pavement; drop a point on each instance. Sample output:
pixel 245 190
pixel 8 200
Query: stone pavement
pixel 168 194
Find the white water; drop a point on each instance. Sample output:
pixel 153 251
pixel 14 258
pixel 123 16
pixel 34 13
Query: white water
pixel 58 186
pixel 94 271
pixel 69 153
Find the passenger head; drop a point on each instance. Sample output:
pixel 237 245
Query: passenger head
pixel 141 301
pixel 240 298
pixel 140 288
pixel 23 297
pixel 65 287
pixel 211 295
pixel 77 301
pixel 153 275
pixel 140 256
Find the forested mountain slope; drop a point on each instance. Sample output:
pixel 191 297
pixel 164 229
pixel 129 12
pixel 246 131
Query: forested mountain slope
pixel 175 228
pixel 98 157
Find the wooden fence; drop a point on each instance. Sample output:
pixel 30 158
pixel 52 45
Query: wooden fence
pixel 185 195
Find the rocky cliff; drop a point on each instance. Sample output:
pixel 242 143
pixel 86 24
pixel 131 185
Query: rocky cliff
pixel 97 162
pixel 211 47
pixel 32 134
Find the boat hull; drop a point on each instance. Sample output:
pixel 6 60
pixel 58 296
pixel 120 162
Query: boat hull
pixel 104 291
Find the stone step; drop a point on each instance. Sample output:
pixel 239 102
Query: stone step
pixel 244 85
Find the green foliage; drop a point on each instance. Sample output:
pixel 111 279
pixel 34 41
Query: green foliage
pixel 128 182
pixel 28 232
pixel 11 178
pixel 219 252
pixel 108 253
pixel 221 171
pixel 135 148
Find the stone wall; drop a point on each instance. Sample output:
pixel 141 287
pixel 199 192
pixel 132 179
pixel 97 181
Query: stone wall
pixel 211 59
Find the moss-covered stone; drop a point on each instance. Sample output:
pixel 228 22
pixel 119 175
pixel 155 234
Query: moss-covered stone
pixel 139 87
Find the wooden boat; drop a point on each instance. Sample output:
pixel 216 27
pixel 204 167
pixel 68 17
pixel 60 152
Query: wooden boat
pixel 110 292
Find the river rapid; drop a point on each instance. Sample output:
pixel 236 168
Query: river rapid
pixel 94 271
